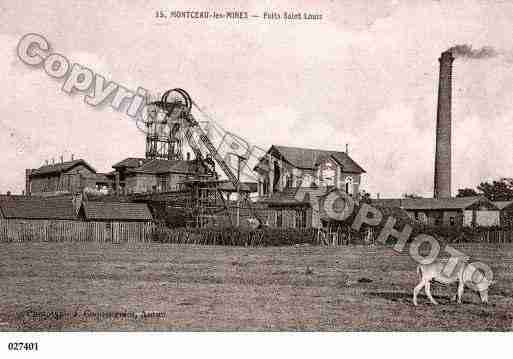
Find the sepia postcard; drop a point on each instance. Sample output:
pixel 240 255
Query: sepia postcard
pixel 247 166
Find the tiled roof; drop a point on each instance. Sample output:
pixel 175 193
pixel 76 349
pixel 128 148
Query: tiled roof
pixel 131 162
pixel 387 202
pixel 59 167
pixel 396 212
pixel 38 207
pixel 157 166
pixel 347 163
pixel 306 158
pixel 430 203
pixel 116 211
pixel 386 211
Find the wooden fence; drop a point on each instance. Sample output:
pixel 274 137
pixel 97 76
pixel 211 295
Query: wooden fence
pixel 496 236
pixel 116 232
pixel 369 235
pixel 61 231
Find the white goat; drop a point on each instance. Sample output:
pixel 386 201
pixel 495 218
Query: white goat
pixel 462 274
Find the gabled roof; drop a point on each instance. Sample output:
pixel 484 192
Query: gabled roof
pixel 347 163
pixel 60 207
pixel 114 211
pixel 130 162
pixel 306 158
pixel 159 166
pixel 454 203
pixel 60 167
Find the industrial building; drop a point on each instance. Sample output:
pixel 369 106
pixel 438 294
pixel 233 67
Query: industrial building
pixel 140 175
pixel 111 211
pixel 443 209
pixel 459 211
pixel 290 167
pixel 65 178
pixel 292 181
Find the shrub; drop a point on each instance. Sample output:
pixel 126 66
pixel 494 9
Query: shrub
pixel 236 236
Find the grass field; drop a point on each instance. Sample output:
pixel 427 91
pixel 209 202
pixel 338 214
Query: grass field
pixel 58 286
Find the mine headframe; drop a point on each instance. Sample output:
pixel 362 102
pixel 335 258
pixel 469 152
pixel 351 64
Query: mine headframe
pixel 176 105
pixel 164 126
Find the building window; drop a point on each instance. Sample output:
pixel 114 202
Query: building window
pixel 452 221
pixel 305 180
pixel 265 187
pixel 279 219
pixel 288 181
pixel 163 183
pixel 349 184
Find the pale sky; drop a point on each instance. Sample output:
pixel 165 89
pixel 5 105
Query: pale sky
pixel 366 74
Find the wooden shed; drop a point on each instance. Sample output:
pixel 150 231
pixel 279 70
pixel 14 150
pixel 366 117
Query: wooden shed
pixel 37 208
pixel 115 212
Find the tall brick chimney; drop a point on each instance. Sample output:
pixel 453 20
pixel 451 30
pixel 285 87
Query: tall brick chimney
pixel 442 185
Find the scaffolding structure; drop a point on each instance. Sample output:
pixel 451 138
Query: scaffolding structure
pixel 206 204
pixel 169 128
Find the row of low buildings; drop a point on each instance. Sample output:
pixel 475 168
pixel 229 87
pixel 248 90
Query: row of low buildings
pixel 68 207
pixel 131 175
pixel 458 211
pixel 292 183
pixel 322 171
pixel 280 173
pixel 284 168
